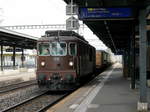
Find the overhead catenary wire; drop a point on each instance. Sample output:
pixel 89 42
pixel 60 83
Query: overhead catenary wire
pixel 46 26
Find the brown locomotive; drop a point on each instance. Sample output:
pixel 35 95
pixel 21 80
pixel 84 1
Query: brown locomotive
pixel 64 57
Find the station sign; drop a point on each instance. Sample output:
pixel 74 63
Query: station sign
pixel 72 23
pixel 74 9
pixel 104 13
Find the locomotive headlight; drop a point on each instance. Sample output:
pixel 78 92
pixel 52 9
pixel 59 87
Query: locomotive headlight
pixel 70 63
pixel 42 63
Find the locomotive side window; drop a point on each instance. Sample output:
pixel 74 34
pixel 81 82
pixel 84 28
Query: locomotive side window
pixel 44 49
pixel 58 49
pixel 72 49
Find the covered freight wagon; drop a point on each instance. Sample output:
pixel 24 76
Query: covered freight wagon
pixel 102 59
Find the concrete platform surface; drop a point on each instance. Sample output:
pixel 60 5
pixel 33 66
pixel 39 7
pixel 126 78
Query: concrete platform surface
pixel 108 92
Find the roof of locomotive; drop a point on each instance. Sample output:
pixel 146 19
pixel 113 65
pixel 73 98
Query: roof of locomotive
pixel 60 33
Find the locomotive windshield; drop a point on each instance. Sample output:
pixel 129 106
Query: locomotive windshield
pixel 72 49
pixel 58 49
pixel 44 49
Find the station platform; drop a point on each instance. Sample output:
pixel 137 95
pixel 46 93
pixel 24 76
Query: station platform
pixel 23 74
pixel 108 92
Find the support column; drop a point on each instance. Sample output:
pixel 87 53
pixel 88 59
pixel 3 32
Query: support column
pixel 133 62
pixel 125 64
pixel 1 57
pixel 142 104
pixel 14 56
pixel 35 58
pixel 129 58
pixel 22 58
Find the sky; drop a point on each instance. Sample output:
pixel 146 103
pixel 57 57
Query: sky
pixel 36 12
pixel 33 11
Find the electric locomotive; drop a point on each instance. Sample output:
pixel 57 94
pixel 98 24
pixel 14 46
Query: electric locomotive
pixel 64 57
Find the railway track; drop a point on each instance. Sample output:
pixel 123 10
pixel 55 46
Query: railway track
pixel 16 86
pixel 38 103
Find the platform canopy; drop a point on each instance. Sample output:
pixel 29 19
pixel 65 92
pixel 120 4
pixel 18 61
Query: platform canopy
pixel 115 22
pixel 12 38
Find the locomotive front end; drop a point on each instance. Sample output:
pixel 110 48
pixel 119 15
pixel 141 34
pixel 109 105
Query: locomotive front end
pixel 56 65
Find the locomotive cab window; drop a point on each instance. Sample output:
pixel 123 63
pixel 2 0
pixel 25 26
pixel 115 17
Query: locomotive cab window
pixel 44 49
pixel 58 49
pixel 72 49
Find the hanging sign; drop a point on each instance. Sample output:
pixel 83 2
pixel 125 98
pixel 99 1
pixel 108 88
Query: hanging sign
pixel 104 13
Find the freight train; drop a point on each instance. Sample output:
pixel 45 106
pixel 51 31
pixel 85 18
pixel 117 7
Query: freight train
pixel 103 60
pixel 64 58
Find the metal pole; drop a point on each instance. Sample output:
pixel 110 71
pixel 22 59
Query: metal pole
pixel 129 59
pixel 22 57
pixel 71 14
pixel 125 63
pixel 133 62
pixel 14 56
pixel 1 57
pixel 35 58
pixel 142 104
